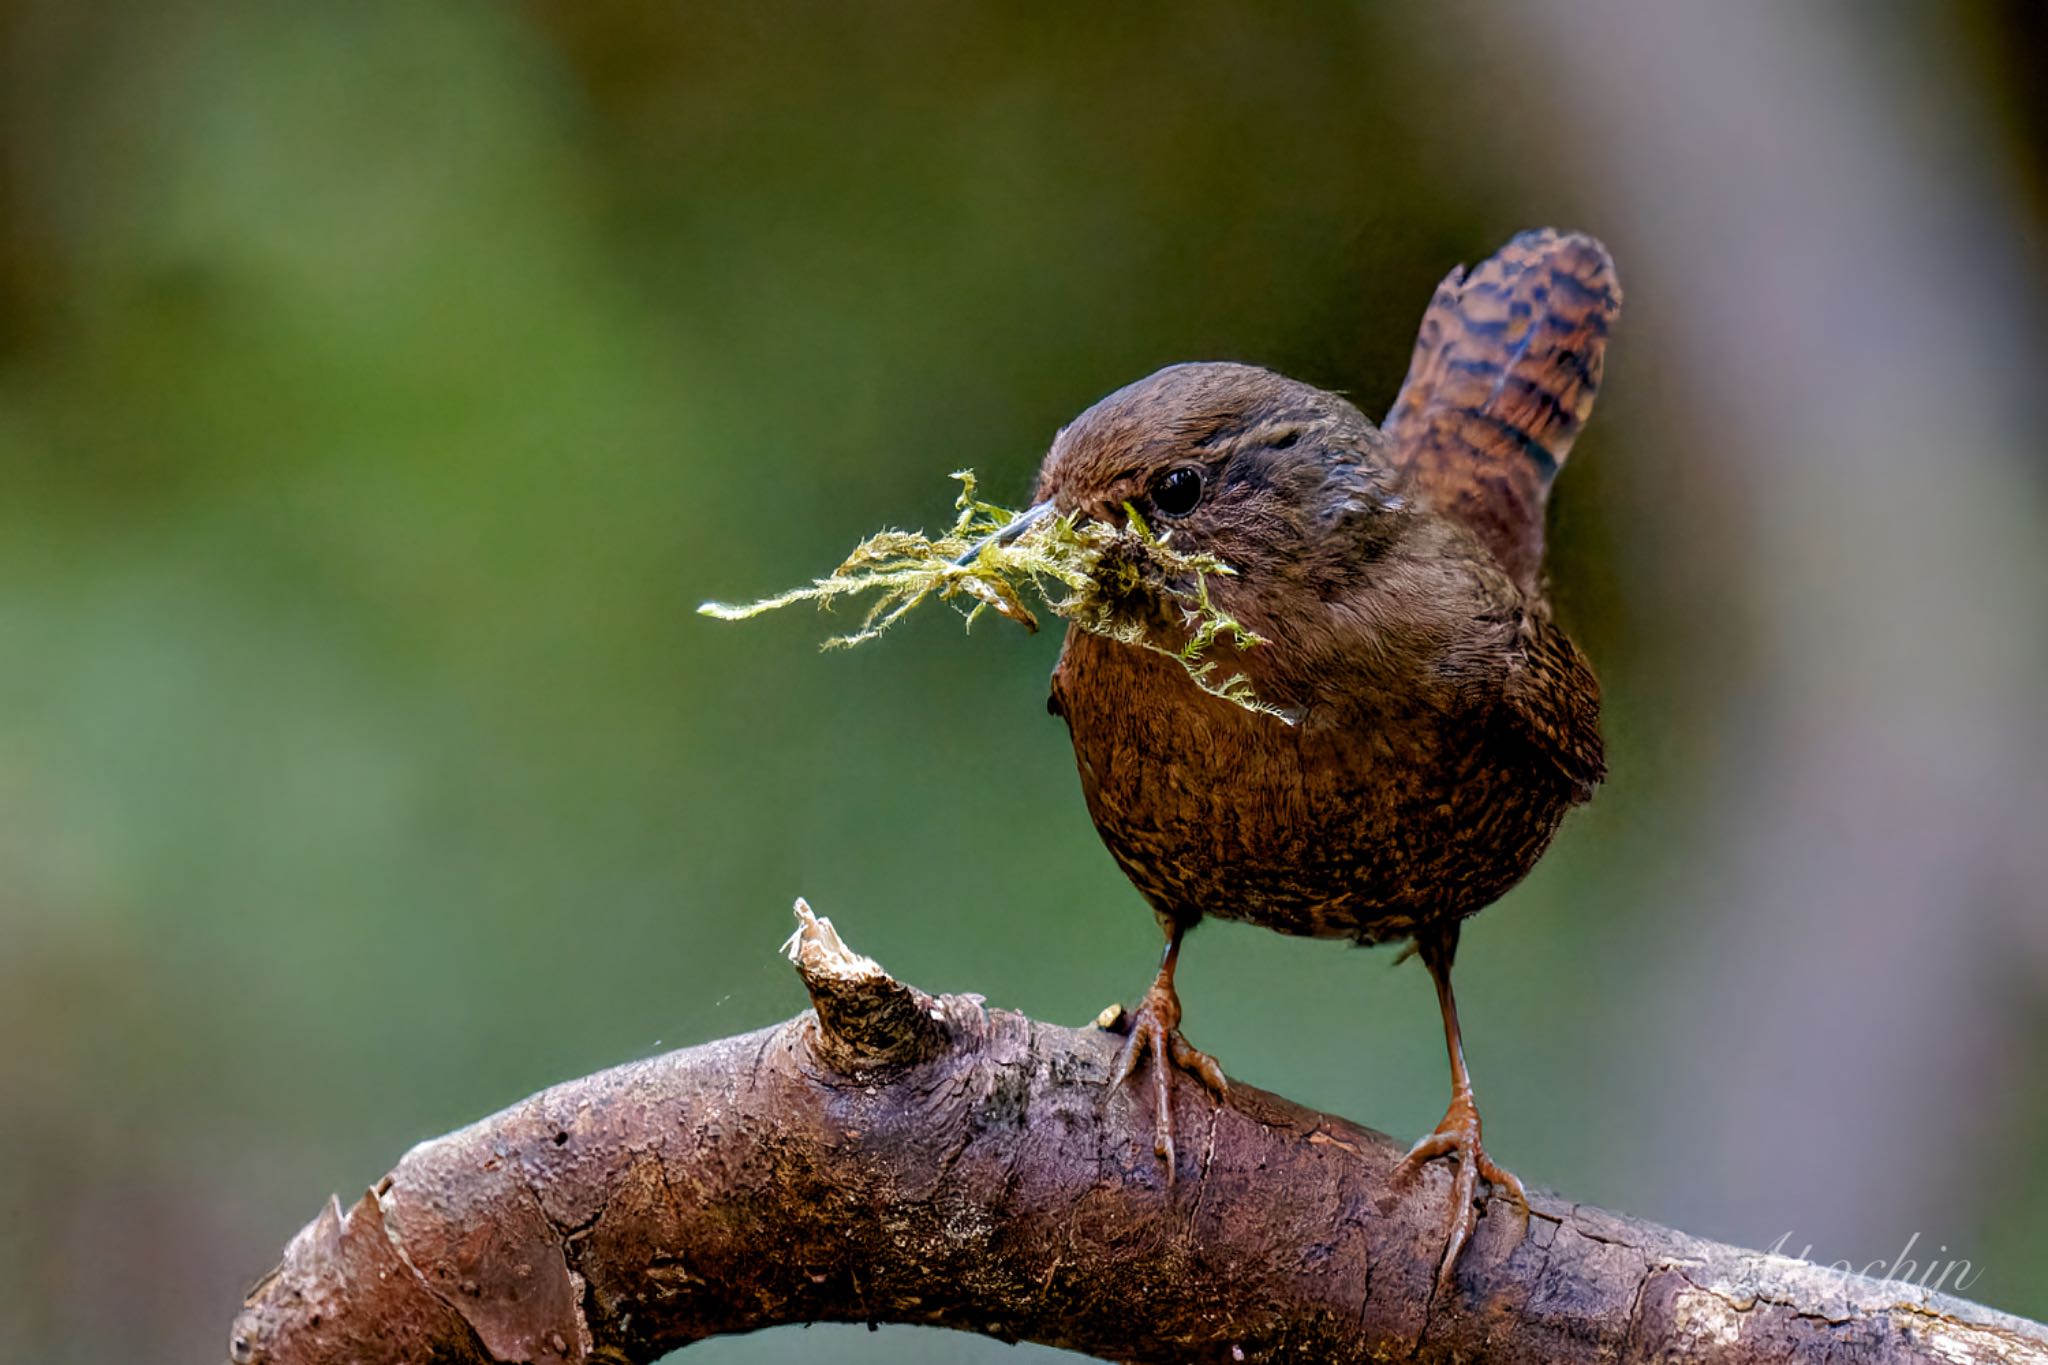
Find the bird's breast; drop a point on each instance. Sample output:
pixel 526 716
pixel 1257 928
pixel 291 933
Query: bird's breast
pixel 1361 828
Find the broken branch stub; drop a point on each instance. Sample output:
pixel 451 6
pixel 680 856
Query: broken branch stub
pixel 866 1018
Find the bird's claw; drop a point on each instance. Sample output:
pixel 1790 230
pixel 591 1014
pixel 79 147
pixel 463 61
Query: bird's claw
pixel 1155 1028
pixel 1458 1136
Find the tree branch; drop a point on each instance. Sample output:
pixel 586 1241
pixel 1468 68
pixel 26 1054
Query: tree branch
pixel 895 1157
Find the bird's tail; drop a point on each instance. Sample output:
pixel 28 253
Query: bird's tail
pixel 1504 375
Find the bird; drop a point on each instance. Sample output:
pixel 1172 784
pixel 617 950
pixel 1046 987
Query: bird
pixel 1438 723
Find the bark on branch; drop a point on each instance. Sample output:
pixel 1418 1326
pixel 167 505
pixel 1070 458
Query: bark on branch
pixel 896 1157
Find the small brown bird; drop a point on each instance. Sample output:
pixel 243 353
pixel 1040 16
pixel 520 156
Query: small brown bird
pixel 1443 725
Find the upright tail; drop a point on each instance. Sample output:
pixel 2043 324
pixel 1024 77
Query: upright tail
pixel 1504 376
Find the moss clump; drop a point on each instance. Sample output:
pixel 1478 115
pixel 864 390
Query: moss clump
pixel 1121 582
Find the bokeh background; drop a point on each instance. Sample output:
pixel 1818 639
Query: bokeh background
pixel 382 385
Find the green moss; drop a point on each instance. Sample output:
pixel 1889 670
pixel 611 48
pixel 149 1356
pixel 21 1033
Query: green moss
pixel 1124 583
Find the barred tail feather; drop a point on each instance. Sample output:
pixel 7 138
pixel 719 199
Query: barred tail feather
pixel 1504 376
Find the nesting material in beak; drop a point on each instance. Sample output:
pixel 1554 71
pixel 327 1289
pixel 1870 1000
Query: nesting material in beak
pixel 1113 580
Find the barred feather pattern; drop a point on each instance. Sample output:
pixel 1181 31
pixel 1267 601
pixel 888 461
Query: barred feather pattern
pixel 1504 375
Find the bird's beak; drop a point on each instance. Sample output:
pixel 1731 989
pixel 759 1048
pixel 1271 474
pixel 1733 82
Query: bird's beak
pixel 1019 524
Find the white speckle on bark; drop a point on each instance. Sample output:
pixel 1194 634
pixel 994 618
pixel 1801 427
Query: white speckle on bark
pixel 1703 1316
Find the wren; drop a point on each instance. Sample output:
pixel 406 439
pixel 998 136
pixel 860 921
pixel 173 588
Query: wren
pixel 1443 725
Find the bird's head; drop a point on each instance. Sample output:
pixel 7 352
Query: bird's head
pixel 1284 482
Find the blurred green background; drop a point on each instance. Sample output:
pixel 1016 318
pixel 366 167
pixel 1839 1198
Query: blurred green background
pixel 382 386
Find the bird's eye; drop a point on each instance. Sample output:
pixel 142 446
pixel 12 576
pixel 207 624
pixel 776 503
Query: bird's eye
pixel 1177 492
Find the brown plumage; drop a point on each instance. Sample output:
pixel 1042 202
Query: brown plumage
pixel 1444 724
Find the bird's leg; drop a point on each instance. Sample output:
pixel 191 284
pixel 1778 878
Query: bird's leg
pixel 1155 1028
pixel 1458 1134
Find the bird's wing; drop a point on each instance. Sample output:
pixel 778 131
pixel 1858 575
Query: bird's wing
pixel 1553 701
pixel 1504 375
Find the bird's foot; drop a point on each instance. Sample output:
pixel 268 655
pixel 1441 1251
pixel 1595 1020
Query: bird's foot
pixel 1155 1028
pixel 1458 1136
